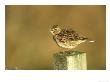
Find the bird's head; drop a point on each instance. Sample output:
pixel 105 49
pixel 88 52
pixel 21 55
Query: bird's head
pixel 55 30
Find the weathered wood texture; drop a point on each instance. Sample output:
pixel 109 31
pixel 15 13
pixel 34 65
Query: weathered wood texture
pixel 70 60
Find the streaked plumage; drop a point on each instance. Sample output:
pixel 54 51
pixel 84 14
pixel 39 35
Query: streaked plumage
pixel 66 38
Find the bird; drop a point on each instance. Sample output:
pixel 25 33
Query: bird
pixel 66 37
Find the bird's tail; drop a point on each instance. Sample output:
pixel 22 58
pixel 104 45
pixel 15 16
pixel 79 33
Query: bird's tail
pixel 91 41
pixel 87 39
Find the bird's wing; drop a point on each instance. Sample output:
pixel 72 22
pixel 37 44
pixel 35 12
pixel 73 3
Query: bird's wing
pixel 70 34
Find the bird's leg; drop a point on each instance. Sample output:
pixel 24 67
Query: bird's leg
pixel 65 49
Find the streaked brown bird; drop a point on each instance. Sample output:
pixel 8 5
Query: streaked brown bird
pixel 66 38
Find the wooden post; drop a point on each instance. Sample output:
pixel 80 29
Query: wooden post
pixel 70 60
